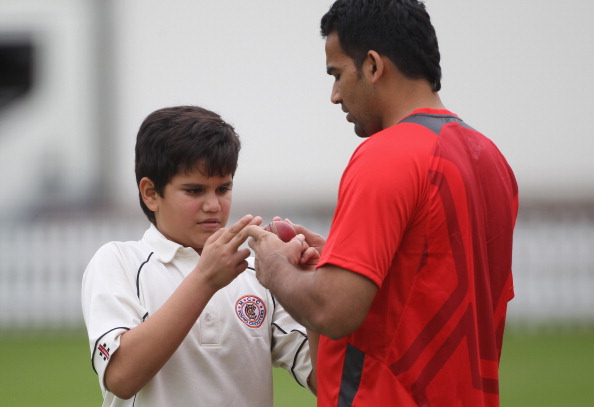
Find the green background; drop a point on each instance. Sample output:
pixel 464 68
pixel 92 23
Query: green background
pixel 545 369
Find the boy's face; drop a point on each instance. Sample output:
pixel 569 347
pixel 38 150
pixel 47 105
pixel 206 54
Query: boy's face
pixel 193 207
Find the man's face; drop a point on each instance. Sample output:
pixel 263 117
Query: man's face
pixel 193 207
pixel 351 89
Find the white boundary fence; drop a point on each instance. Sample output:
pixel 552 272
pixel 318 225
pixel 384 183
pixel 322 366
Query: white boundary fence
pixel 41 266
pixel 554 267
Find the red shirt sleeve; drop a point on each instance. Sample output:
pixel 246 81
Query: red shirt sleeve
pixel 377 198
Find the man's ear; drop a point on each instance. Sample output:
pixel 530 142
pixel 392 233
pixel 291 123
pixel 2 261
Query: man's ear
pixel 149 193
pixel 374 65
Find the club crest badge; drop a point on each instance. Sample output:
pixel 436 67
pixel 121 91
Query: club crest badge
pixel 251 310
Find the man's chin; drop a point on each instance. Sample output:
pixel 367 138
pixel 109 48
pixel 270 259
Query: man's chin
pixel 360 132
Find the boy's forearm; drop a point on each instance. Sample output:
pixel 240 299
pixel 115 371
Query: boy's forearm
pixel 146 348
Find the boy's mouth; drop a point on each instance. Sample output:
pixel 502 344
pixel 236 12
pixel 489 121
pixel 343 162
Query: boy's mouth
pixel 210 223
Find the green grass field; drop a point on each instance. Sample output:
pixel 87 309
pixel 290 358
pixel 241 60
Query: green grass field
pixel 544 370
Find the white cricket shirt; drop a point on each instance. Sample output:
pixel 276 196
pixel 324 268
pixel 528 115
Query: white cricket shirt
pixel 227 357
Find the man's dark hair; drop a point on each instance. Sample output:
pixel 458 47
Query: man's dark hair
pixel 398 29
pixel 177 139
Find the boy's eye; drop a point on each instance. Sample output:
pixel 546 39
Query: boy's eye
pixel 224 189
pixel 194 191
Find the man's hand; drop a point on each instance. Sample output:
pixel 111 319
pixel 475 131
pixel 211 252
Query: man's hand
pixel 269 249
pixel 311 238
pixel 320 299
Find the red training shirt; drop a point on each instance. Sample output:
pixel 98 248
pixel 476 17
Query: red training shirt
pixel 426 210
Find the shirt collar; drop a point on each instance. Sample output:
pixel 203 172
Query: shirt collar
pixel 165 249
pixel 427 110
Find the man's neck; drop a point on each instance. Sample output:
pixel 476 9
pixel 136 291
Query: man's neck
pixel 410 97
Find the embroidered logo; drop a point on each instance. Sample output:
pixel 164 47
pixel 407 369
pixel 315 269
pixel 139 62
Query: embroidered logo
pixel 251 310
pixel 104 350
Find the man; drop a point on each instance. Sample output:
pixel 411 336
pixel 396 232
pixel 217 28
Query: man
pixel 411 289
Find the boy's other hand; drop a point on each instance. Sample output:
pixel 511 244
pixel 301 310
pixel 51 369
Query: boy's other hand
pixel 222 260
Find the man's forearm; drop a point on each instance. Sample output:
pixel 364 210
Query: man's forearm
pixel 330 300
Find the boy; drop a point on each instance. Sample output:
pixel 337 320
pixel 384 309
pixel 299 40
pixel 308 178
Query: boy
pixel 173 319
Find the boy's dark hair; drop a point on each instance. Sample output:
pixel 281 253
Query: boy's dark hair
pixel 176 139
pixel 399 29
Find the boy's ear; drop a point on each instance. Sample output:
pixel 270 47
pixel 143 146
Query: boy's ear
pixel 149 193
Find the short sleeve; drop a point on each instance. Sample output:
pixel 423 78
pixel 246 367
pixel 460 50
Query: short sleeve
pixel 379 193
pixel 110 304
pixel 104 348
pixel 290 348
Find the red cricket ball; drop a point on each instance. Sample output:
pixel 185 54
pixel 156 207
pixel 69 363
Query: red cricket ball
pixel 282 229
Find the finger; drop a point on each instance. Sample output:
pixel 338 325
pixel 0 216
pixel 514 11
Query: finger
pixel 289 221
pixel 298 240
pixel 309 253
pixel 252 244
pixel 239 238
pixel 310 256
pixel 300 237
pixel 232 231
pixel 215 235
pixel 299 228
pixel 241 266
pixel 257 221
pixel 253 231
pixel 240 224
pixel 243 254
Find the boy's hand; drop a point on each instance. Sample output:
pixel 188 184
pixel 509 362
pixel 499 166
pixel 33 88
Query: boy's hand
pixel 221 259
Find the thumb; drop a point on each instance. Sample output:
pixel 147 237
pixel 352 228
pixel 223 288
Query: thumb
pixel 299 237
pixel 298 240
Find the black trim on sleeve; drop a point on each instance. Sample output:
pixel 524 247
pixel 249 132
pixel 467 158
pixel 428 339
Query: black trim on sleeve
pixel 285 332
pixel 97 342
pixel 138 275
pixel 278 326
pixel 295 358
pixel 351 375
pixel 305 339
